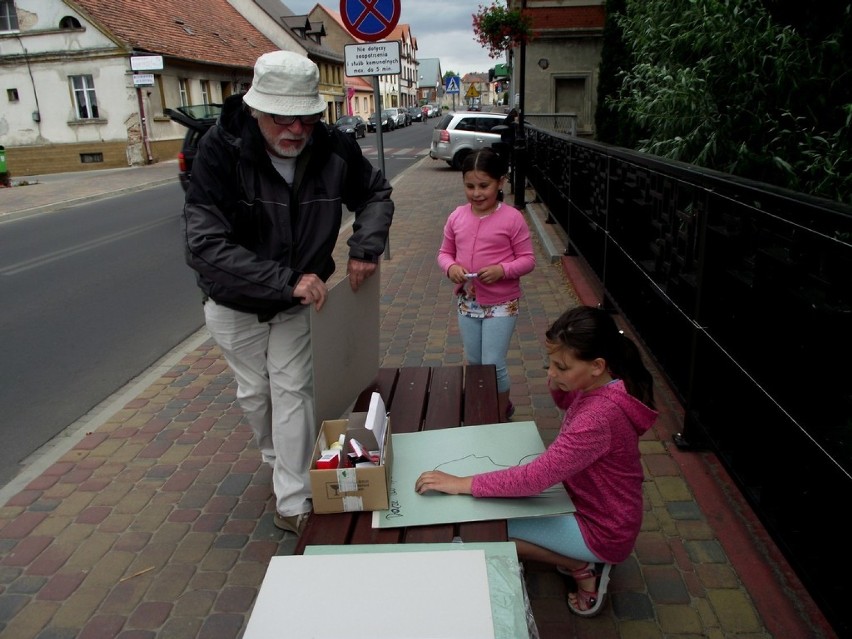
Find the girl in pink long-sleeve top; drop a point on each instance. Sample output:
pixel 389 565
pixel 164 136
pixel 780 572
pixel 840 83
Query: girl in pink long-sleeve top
pixel 596 374
pixel 485 251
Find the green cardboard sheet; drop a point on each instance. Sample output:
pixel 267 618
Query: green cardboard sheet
pixel 467 450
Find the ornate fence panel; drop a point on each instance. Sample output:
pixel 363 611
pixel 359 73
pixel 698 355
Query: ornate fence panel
pixel 743 293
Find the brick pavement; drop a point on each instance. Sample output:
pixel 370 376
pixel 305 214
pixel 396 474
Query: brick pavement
pixel 158 522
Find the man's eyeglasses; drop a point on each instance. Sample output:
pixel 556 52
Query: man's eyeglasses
pixel 287 120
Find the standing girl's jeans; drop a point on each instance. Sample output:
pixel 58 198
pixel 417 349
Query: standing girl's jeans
pixel 486 341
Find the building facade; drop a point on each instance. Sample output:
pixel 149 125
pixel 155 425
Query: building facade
pixel 561 62
pixel 86 82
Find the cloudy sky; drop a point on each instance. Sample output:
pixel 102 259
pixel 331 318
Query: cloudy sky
pixel 442 28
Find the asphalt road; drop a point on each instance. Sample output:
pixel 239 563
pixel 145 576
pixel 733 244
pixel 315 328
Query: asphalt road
pixel 93 295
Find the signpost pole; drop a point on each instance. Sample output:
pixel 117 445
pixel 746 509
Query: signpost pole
pixel 371 22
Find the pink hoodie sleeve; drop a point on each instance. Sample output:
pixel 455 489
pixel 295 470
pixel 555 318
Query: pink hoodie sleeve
pixel 447 252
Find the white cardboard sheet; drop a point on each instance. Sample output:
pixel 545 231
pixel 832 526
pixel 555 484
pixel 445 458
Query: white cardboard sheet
pixel 345 343
pixel 510 607
pixel 405 595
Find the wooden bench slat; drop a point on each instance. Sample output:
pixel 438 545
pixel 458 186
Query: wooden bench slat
pixel 436 534
pixel 408 404
pixel 383 385
pixel 480 395
pixel 327 529
pixel 445 398
pixel 364 533
pixel 483 531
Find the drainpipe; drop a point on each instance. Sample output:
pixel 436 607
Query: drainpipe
pixel 37 112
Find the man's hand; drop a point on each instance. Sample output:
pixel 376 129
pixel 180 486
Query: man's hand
pixel 312 290
pixel 358 271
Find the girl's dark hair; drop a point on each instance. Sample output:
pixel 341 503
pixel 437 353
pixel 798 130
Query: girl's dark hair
pixel 485 160
pixel 591 333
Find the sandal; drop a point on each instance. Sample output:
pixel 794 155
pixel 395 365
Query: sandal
pixel 510 410
pixel 589 602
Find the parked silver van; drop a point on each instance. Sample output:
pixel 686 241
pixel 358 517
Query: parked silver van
pixel 457 134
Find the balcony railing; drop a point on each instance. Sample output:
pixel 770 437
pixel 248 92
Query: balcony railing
pixel 743 293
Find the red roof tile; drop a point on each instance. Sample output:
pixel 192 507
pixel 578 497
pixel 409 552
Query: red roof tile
pixel 210 31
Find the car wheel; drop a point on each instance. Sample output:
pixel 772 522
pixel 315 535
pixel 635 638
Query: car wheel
pixel 458 158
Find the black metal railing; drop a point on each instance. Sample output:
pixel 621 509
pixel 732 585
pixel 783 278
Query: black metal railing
pixel 743 294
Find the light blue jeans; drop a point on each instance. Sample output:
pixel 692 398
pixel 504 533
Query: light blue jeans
pixel 486 341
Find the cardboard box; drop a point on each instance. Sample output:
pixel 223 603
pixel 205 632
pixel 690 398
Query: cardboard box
pixel 340 490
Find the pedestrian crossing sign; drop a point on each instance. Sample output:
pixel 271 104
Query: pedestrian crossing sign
pixel 452 84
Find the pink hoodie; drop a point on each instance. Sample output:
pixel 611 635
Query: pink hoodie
pixel 596 457
pixel 500 238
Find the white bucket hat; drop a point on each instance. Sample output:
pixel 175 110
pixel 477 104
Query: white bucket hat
pixel 285 83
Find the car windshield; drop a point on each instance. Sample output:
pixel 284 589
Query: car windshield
pixel 389 113
pixel 201 111
pixel 346 119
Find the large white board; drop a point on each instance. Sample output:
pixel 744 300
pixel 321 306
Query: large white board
pixel 404 595
pixel 345 342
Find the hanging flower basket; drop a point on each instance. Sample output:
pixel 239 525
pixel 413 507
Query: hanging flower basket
pixel 498 29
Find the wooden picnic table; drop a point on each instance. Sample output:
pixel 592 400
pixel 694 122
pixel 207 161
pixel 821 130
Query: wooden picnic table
pixel 418 398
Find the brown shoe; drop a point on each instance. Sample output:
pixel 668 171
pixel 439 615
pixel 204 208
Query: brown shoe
pixel 293 523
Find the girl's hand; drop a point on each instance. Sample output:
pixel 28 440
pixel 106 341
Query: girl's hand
pixel 443 483
pixel 491 274
pixel 457 273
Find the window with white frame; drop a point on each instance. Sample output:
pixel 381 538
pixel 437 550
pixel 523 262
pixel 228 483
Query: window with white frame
pixel 8 16
pixel 205 92
pixel 183 91
pixel 85 100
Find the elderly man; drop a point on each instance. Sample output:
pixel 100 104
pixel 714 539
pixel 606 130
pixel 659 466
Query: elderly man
pixel 262 215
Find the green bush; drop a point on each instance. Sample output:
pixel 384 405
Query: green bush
pixel 722 84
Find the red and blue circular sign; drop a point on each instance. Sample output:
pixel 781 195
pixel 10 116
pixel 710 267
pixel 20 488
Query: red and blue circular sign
pixel 370 20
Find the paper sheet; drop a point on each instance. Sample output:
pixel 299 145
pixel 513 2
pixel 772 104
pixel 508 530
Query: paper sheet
pixel 406 595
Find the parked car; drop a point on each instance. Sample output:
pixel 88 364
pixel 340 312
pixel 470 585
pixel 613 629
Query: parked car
pixel 434 110
pixel 457 134
pixel 197 119
pixel 403 118
pixel 416 114
pixel 388 120
pixel 353 125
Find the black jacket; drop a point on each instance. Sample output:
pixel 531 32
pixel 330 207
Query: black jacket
pixel 249 236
